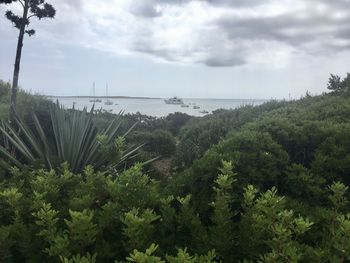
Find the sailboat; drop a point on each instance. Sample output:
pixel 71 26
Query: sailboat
pixel 108 102
pixel 93 91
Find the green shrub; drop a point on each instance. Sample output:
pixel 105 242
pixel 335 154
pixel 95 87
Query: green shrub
pixel 102 217
pixel 158 142
pixel 258 160
pixel 280 195
pixel 175 121
pixel 200 134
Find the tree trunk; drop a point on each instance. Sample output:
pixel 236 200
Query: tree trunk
pixel 14 89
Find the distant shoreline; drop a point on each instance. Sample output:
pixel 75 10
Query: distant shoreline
pixel 102 97
pixel 147 98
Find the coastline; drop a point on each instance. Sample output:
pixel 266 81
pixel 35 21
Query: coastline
pixel 102 97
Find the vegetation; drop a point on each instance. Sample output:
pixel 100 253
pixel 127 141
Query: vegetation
pixel 199 134
pixel 27 104
pixel 94 217
pixel 338 85
pixel 75 139
pixel 158 142
pixel 254 184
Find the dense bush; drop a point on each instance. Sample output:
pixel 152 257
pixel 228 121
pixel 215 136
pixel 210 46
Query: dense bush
pixel 258 159
pixel 157 142
pixel 306 143
pixel 4 99
pixel 96 217
pixel 175 121
pixel 26 105
pixel 4 90
pixel 199 134
pixel 171 123
pixel 280 195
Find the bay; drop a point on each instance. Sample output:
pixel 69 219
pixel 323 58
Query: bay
pixel 156 106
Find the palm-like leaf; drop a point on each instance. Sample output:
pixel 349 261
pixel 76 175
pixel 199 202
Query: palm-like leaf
pixel 74 140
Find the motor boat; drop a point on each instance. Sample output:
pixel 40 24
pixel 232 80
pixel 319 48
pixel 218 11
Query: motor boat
pixel 174 100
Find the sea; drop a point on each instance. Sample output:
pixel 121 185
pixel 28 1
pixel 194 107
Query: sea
pixel 155 106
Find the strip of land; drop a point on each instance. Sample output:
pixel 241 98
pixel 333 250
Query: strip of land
pixel 102 97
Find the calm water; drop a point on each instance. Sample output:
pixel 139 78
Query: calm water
pixel 157 107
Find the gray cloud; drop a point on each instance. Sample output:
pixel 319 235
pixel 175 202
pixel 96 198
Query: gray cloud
pixel 335 4
pixel 227 61
pixel 145 9
pixel 237 3
pixel 319 27
pixel 148 9
pixel 285 28
pixel 216 33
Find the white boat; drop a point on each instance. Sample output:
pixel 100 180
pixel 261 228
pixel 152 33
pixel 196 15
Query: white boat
pixel 196 107
pixel 108 102
pixel 174 100
pixel 185 106
pixel 204 112
pixel 93 91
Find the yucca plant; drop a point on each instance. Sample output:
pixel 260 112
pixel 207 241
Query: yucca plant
pixel 75 139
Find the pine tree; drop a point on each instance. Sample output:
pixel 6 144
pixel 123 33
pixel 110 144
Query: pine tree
pixel 30 8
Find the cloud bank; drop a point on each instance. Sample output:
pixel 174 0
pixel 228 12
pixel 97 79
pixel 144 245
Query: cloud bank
pixel 215 33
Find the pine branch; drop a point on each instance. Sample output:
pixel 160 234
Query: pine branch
pixel 20 1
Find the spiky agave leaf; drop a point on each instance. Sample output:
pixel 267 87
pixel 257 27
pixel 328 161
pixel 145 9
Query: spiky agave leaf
pixel 74 141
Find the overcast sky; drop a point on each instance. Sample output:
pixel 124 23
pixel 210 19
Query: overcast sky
pixel 200 48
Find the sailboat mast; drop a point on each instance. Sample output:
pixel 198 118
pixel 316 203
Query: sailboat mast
pixel 93 89
pixel 108 102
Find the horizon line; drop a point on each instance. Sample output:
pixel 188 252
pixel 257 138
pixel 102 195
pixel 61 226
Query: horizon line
pixel 147 97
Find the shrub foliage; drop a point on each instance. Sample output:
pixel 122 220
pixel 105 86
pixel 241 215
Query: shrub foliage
pixel 255 184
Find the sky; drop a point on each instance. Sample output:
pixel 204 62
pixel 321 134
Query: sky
pixel 235 49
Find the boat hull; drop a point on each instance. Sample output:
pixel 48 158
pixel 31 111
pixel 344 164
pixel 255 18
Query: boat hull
pixel 177 102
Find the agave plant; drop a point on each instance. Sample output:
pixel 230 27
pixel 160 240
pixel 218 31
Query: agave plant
pixel 75 139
